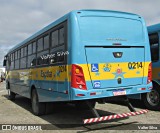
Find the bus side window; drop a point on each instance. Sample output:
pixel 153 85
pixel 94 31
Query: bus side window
pixel 61 36
pixel 33 62
pixel 154 46
pixel 12 61
pixel 46 42
pixel 40 44
pixel 60 56
pixel 34 47
pixel 54 38
pixel 53 58
pixel 43 58
pixel 57 57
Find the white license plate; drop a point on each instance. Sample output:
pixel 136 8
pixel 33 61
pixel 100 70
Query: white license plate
pixel 119 92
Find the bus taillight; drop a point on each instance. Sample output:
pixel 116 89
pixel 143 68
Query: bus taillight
pixel 149 79
pixel 77 78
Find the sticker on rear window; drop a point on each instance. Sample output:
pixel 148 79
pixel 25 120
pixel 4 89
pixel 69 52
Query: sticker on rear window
pixel 97 84
pixel 94 68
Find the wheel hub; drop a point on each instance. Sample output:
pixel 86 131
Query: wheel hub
pixel 153 98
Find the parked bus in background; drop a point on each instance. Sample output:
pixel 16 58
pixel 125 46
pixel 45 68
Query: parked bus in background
pixel 153 98
pixel 83 57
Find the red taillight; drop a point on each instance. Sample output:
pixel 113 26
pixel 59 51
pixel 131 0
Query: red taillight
pixel 149 79
pixel 77 78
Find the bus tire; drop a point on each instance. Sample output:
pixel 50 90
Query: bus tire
pixel 11 95
pixel 83 104
pixel 152 99
pixel 38 108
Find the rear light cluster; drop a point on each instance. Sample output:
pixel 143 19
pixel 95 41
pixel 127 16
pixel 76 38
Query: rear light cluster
pixel 149 79
pixel 77 78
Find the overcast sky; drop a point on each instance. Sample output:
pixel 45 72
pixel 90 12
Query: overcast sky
pixel 19 19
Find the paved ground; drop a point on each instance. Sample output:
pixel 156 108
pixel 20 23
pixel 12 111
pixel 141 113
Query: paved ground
pixel 67 118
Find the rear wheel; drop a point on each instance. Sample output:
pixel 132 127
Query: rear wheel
pixel 152 99
pixel 37 107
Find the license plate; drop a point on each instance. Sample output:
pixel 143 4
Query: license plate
pixel 119 92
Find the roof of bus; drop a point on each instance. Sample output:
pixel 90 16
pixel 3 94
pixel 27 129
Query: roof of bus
pixel 153 28
pixel 63 19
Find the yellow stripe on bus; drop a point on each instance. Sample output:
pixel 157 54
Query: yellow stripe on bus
pixel 52 73
pixel 102 75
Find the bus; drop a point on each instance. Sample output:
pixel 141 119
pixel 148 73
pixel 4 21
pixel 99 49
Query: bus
pixel 153 97
pixel 83 57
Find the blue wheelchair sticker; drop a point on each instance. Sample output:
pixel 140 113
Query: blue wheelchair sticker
pixel 97 84
pixel 94 68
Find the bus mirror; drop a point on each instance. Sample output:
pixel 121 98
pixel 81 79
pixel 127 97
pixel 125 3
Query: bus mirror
pixel 4 62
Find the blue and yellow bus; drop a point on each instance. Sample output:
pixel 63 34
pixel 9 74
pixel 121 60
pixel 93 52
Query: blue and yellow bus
pixel 153 98
pixel 86 55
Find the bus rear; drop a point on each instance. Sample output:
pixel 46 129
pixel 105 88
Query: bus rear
pixel 110 55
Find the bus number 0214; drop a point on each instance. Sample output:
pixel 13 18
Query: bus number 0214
pixel 135 65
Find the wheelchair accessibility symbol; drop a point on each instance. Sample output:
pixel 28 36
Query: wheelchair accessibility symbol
pixel 94 68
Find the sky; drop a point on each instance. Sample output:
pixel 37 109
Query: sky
pixel 20 19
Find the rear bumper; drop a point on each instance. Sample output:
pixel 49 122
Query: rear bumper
pixel 77 94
